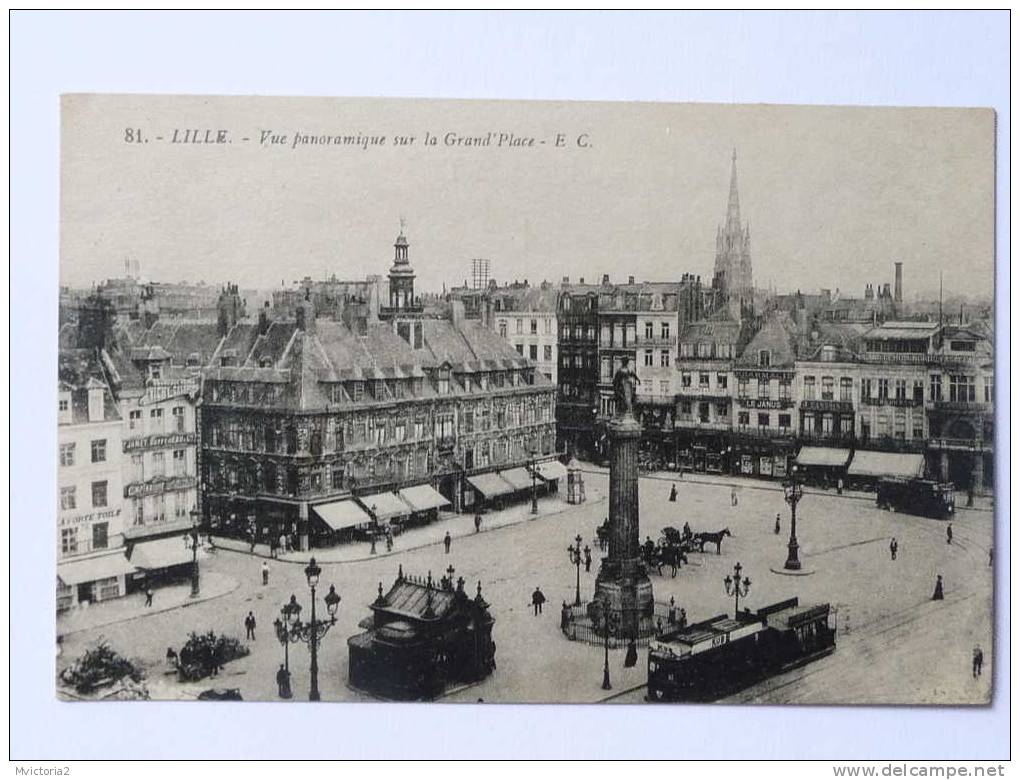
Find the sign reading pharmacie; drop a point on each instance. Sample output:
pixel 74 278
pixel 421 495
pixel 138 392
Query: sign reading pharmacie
pixel 163 390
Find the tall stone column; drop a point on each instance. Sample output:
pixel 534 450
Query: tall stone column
pixel 622 579
pixel 944 465
pixel 978 473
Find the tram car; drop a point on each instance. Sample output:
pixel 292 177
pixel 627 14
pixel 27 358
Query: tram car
pixel 719 656
pixel 917 497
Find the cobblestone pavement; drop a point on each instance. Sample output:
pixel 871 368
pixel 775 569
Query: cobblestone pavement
pixel 894 644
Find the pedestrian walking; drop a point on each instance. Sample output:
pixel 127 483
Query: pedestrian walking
pixel 272 546
pixel 148 595
pixel 671 615
pixel 389 540
pixel 564 616
pixel 537 600
pixel 733 496
pixel 991 555
pixel 970 495
pixel 658 627
pixel 283 683
pixel 478 522
pixel 683 618
pixel 284 546
pixel 672 492
pixel 446 542
pixel 587 559
pixel 979 659
pixel 839 486
pixel 938 595
pixel 249 626
pixel 894 546
pixel 949 533
pixel 777 524
pixel 265 572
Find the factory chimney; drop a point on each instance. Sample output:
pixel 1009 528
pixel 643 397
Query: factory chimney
pixel 899 283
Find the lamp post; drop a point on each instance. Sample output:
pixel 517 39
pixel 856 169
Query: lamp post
pixel 312 632
pixel 375 528
pixel 793 492
pixel 736 588
pixel 291 612
pixel 574 551
pixel 192 542
pixel 533 468
pixel 608 623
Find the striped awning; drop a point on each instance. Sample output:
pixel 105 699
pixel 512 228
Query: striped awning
pixel 383 506
pixel 490 485
pixel 519 477
pixel 161 553
pixel 342 514
pixel 422 498
pixel 552 469
pixel 92 569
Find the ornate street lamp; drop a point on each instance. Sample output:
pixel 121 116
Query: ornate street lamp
pixel 607 623
pixel 291 614
pixel 793 492
pixel 574 551
pixel 312 632
pixel 736 588
pixel 533 468
pixel 375 526
pixel 192 542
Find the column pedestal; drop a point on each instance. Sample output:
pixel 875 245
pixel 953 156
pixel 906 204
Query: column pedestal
pixel 622 579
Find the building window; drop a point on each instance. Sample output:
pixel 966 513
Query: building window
pixel 936 387
pixel 961 388
pixel 764 358
pixel 883 389
pixel 139 518
pixel 685 407
pixel 865 389
pixel 720 381
pixel 99 494
pixel 989 390
pixel 533 351
pixel 67 454
pixel 685 379
pixel 743 419
pixel 901 389
pixel 664 358
pixel 134 419
pixel 68 541
pixel 100 536
pixel 809 388
pixel 67 498
pixel 784 389
pixel 847 425
pixel 664 387
pixel 846 388
pixel 547 353
pixel 807 423
pixel 763 388
pixel 178 412
pixel 828 354
pixel 520 326
pixel 918 427
pixel 763 419
pixel 547 325
pixel 686 349
pixel 703 381
pixel 137 473
pixel 156 421
pixel 704 349
pixel 703 412
pixel 648 357
pixel 158 464
pixel 664 330
pixel 722 410
pixel 827 389
pixel 99 451
pixel 649 330
pixel 502 328
pixel 827 424
pixel 741 387
pixel 180 463
pixel 520 349
pixel 918 391
pixel 63 405
pixel 784 423
pixel 534 327
pixel 901 426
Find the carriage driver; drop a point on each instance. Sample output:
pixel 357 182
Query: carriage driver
pixel 648 548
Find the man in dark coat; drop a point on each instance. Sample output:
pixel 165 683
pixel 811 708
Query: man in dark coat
pixel 478 522
pixel 777 523
pixel 587 559
pixel 283 683
pixel 894 546
pixel 949 533
pixel 148 595
pixel 979 659
pixel 446 542
pixel 249 626
pixel 672 492
pixel 537 600
pixel 938 594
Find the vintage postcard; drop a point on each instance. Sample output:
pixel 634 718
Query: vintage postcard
pixel 478 401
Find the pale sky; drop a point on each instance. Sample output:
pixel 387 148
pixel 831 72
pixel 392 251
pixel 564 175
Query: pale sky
pixel 833 195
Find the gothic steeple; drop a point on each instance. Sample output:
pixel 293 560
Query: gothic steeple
pixel 733 248
pixel 733 205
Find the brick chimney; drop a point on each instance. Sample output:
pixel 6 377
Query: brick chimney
pixel 899 283
pixel 264 319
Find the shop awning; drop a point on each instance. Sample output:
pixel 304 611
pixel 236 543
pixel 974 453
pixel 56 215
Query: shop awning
pixel 552 469
pixel 519 477
pixel 383 506
pixel 92 569
pixel 342 514
pixel 867 463
pixel 490 485
pixel 423 498
pixel 160 553
pixel 822 456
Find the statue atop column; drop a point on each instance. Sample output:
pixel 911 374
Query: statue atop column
pixel 625 383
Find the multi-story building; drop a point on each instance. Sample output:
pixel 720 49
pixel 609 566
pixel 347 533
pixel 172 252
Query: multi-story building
pixel 301 415
pixel 91 562
pixel 526 317
pixel 705 393
pixel 577 376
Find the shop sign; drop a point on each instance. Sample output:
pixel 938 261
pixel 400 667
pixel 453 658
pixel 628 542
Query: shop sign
pixel 764 403
pixel 88 518
pixel 159 440
pixel 164 391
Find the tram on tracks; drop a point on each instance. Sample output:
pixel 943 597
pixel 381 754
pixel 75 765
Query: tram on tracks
pixel 719 656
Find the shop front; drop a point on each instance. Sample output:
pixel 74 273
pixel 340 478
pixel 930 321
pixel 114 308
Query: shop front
pixel 85 580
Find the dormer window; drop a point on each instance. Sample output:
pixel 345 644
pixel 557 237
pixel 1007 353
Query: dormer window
pixel 828 353
pixel 155 371
pixel 444 380
pixel 193 360
pixel 265 362
pixel 764 358
pixel 357 391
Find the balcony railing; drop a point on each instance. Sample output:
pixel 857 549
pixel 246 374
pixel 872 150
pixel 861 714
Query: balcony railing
pixel 898 402
pixel 974 407
pixel 978 445
pixel 688 423
pixel 652 399
pixel 655 341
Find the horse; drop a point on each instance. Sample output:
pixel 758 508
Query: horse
pixel 703 538
pixel 669 555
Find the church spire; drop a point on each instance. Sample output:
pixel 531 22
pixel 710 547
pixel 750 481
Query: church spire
pixel 733 205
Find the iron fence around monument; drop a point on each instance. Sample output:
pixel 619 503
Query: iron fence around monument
pixel 577 625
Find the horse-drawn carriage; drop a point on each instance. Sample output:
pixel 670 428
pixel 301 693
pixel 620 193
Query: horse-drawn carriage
pixel 674 545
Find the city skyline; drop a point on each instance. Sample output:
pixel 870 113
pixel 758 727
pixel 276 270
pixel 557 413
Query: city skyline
pixel 831 203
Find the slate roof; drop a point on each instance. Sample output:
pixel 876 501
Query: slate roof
pixel 77 371
pixel 411 599
pixel 777 336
